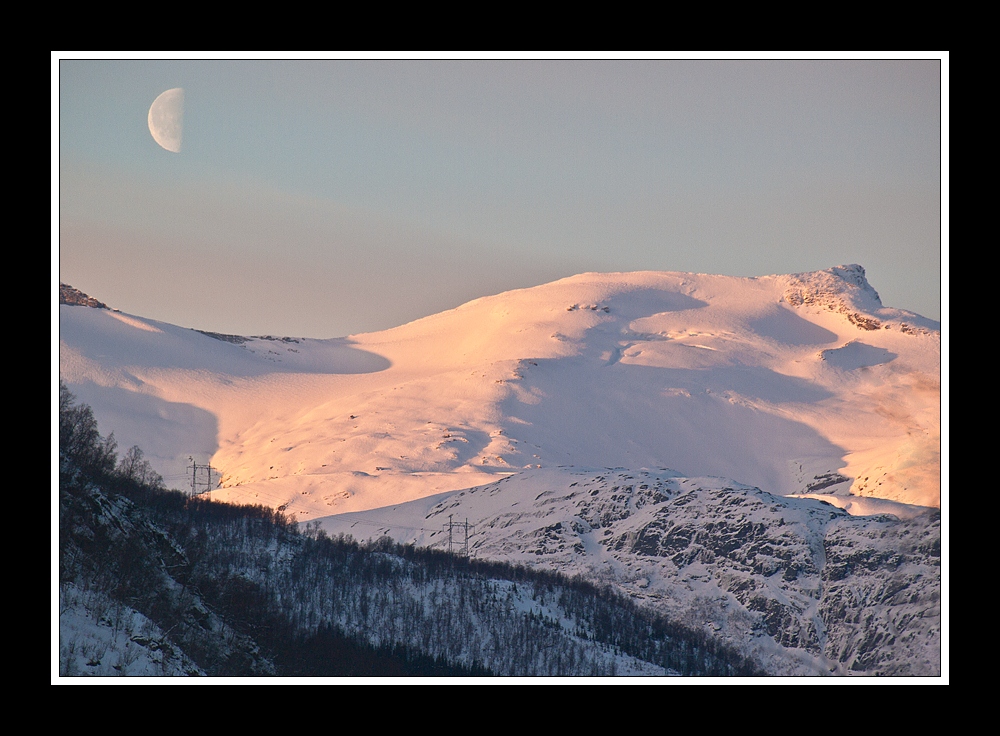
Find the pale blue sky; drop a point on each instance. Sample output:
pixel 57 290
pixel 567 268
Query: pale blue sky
pixel 324 198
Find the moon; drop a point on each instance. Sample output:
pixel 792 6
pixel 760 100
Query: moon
pixel 166 119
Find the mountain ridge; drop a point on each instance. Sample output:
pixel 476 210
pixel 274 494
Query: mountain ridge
pixel 593 369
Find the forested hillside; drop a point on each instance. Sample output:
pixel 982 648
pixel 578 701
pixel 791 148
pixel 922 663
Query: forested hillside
pixel 155 582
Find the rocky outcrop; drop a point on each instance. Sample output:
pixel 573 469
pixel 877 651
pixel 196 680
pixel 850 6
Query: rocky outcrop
pixel 76 298
pixel 842 289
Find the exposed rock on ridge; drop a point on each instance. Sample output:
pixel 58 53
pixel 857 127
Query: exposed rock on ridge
pixel 843 289
pixel 76 298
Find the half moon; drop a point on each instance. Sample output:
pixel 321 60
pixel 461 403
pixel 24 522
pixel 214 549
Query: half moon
pixel 166 119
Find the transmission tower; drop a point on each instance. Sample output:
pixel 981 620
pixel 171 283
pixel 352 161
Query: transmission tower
pixel 201 477
pixel 465 528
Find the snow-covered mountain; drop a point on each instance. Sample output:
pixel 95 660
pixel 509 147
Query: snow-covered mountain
pixel 794 384
pixel 796 584
pixel 591 425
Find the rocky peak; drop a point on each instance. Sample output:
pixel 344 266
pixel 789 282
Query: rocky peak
pixel 843 289
pixel 76 298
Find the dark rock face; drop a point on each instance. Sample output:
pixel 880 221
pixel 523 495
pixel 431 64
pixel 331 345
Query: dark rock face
pixel 821 482
pixel 882 594
pixel 235 339
pixel 744 542
pixel 865 323
pixel 76 298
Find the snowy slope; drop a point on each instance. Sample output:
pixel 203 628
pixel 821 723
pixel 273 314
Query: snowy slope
pixel 794 384
pixel 795 584
pixel 89 645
